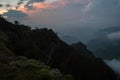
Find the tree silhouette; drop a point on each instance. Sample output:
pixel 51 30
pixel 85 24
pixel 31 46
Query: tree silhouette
pixel 16 22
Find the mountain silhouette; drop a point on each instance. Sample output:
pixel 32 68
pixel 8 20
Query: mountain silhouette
pixel 46 47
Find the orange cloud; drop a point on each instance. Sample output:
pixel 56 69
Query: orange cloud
pixel 49 5
pixel 23 9
pixel 41 6
pixel 2 11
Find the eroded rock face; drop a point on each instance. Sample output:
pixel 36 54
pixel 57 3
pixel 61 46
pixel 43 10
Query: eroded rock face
pixel 45 46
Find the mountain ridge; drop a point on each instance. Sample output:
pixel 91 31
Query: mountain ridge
pixel 46 47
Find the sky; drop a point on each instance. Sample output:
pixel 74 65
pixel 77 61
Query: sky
pixel 77 18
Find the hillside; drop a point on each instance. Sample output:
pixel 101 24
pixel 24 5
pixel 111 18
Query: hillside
pixel 45 49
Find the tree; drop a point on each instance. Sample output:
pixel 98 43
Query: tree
pixel 16 23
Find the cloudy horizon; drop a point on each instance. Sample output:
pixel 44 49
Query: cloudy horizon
pixel 77 18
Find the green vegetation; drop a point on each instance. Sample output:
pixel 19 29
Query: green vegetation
pixel 3 49
pixel 20 68
pixel 26 70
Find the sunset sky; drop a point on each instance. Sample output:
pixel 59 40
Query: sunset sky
pixel 78 18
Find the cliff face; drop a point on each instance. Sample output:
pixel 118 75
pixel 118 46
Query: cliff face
pixel 45 46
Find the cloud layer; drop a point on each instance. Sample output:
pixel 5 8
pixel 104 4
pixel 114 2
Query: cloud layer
pixel 115 65
pixel 15 15
pixel 1 5
pixel 79 17
pixel 114 35
pixel 28 3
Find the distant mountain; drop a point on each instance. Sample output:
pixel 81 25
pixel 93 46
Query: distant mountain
pixel 110 29
pixel 45 46
pixel 107 43
pixel 68 39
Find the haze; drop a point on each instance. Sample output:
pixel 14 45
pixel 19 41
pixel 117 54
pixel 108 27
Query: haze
pixel 77 18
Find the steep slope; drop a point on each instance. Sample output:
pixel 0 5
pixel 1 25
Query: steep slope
pixel 68 39
pixel 20 67
pixel 82 49
pixel 44 45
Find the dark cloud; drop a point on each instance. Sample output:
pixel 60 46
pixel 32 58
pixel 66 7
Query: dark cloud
pixel 29 4
pixel 1 5
pixel 32 1
pixel 20 3
pixel 8 5
pixel 14 14
pixel 107 9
